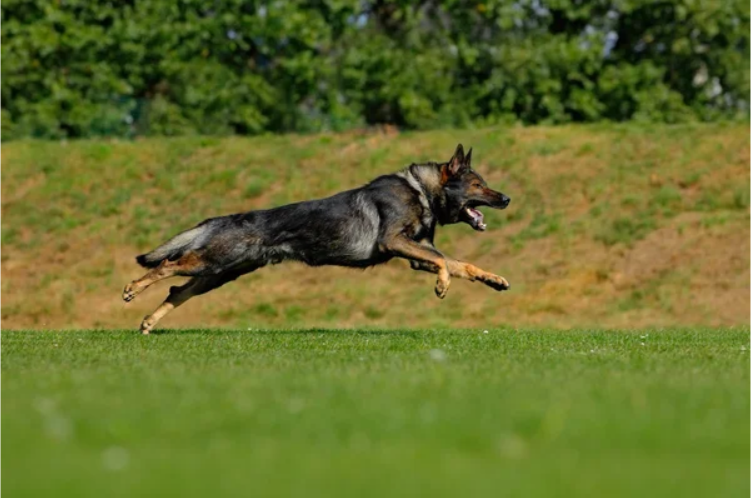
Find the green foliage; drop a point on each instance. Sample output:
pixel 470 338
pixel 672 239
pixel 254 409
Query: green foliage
pixel 84 68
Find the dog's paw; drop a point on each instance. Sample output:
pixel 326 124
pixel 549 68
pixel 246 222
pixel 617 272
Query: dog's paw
pixel 496 282
pixel 129 293
pixel 442 285
pixel 441 290
pixel 147 324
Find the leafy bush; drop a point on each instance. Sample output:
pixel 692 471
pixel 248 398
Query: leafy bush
pixel 78 68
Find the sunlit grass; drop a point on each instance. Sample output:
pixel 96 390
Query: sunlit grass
pixel 590 208
pixel 376 413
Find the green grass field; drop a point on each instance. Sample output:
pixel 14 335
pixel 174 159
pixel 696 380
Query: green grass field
pixel 376 413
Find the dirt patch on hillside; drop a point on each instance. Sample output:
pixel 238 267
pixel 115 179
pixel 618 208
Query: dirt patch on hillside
pixel 676 263
pixel 681 274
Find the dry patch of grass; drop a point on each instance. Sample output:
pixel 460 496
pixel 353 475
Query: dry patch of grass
pixel 611 226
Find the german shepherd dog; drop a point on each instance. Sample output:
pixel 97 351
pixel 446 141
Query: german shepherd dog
pixel 393 216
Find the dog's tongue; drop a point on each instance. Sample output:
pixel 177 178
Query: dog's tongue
pixel 477 219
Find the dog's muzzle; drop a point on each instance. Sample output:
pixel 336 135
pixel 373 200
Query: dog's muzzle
pixel 476 219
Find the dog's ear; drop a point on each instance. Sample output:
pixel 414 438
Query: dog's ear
pixel 468 159
pixel 456 164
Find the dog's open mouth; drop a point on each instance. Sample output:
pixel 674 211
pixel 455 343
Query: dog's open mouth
pixel 476 220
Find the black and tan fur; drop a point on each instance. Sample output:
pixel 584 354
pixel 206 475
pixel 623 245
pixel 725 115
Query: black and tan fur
pixel 392 216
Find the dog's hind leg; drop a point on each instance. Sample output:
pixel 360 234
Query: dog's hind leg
pixel 178 295
pixel 187 264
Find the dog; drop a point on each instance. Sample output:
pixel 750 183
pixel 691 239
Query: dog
pixel 393 216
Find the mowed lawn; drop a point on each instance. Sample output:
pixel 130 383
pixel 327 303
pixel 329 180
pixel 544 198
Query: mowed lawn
pixel 376 413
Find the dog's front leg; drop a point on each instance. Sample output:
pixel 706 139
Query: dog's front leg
pixel 429 256
pixel 466 271
pixel 471 272
pixel 419 265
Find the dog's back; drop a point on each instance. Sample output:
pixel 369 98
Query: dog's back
pixel 339 230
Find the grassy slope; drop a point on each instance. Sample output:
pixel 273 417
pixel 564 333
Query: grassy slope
pixel 368 413
pixel 616 226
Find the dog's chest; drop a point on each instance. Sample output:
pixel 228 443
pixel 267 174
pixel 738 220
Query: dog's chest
pixel 423 230
pixel 427 220
pixel 426 217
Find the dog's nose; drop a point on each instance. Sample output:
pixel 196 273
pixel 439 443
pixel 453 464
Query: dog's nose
pixel 505 200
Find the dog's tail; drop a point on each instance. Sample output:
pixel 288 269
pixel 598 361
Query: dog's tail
pixel 175 247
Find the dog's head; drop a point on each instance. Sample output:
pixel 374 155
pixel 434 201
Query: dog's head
pixel 465 191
